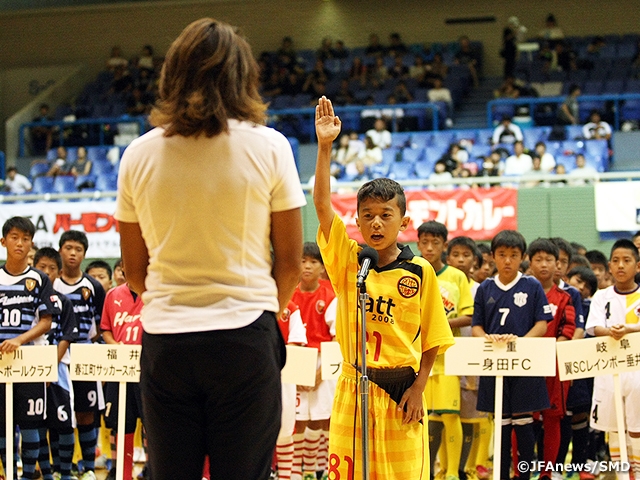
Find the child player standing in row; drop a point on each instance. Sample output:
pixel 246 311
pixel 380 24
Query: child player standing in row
pixel 121 324
pixel 28 303
pixel 87 296
pixel 507 306
pixel 60 418
pixel 317 303
pixel 615 312
pixel 443 391
pixel 544 257
pixel 405 329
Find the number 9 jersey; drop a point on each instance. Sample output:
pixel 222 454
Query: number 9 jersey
pixel 121 315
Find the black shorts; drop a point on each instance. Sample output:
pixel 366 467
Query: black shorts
pixel 580 395
pixel 29 405
pixel 520 395
pixel 87 396
pixel 133 406
pixel 59 408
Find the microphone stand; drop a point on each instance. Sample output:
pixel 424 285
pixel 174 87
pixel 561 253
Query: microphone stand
pixel 364 383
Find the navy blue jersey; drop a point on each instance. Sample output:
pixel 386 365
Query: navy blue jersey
pixel 63 326
pixel 24 299
pixel 513 308
pixel 87 296
pixel 576 300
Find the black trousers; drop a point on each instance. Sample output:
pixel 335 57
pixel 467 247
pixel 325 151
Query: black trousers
pixel 213 393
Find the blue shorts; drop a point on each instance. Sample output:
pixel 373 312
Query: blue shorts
pixel 580 395
pixel 520 395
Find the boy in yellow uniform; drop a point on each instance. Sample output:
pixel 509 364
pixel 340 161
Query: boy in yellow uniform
pixel 406 326
pixel 443 391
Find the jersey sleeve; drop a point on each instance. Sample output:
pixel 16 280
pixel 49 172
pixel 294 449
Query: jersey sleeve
pixel 330 316
pixel 597 314
pixel 48 303
pixel 98 300
pixel 466 299
pixel 567 325
pixel 576 301
pixel 478 318
pixel 287 191
pixel 297 331
pixel 68 325
pixel 435 328
pixel 106 318
pixel 336 251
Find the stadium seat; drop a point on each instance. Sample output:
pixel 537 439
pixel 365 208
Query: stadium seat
pixel 424 168
pixel 38 169
pixel 64 184
pixel 107 183
pixel 412 155
pixel 420 139
pixel 401 171
pixel 42 185
pixel 400 139
pixel 101 167
pixel 85 182
pixel 97 153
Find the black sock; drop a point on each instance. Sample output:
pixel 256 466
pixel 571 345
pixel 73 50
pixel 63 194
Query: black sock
pixel 523 426
pixel 435 438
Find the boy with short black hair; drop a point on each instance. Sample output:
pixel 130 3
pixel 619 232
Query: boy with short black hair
pixel 60 419
pixel 317 304
pixel 615 312
pixel 28 304
pixel 584 280
pixel 101 271
pixel 406 326
pixel 118 273
pixel 600 266
pixel 488 265
pixel 507 306
pixel 544 258
pixel 443 391
pixel 87 296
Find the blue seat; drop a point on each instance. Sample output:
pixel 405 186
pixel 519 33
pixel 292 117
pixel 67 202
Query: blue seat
pixel 412 155
pixel 97 153
pixel 42 185
pixel 38 169
pixel 85 182
pixel 420 139
pixel 596 148
pixel 480 151
pixel 574 132
pixel 64 184
pixel 101 167
pixel 401 170
pixel 424 168
pixel 400 139
pixel 107 183
pixel 443 138
pixel 389 155
pixel 433 153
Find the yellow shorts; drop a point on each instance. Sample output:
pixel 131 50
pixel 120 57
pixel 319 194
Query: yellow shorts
pixel 396 451
pixel 443 394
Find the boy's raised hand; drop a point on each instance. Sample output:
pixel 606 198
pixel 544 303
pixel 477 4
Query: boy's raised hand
pixel 328 125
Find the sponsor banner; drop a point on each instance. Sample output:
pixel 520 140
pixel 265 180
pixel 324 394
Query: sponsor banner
pixel 478 213
pixel 617 206
pixel 52 219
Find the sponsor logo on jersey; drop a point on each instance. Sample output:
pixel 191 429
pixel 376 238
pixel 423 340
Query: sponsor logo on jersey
pixel 554 309
pixel 118 302
pixel 320 306
pixel 546 309
pixel 408 287
pixel 491 300
pixel 86 293
pixel 56 301
pixel 637 311
pixel 123 317
pixel 520 299
pixel 30 283
pixel 449 305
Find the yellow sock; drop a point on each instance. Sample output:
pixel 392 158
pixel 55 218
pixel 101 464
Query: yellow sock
pixel 452 442
pixel 473 453
pixel 485 433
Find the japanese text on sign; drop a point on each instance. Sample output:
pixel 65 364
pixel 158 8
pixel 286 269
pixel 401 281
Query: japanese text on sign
pixel 29 364
pixel 590 357
pixel 524 357
pixel 107 363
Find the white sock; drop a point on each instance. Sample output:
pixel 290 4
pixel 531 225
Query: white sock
pixel 298 451
pixel 284 455
pixel 311 444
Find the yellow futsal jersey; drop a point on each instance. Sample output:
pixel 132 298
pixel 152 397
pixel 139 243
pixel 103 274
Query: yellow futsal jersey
pixel 610 307
pixel 456 300
pixel 405 316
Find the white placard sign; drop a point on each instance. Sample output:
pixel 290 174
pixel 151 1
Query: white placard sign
pixel 590 357
pixel 301 366
pixel 106 363
pixel 30 364
pixel 523 357
pixel 331 360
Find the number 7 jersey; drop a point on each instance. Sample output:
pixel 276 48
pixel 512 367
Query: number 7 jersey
pixel 121 315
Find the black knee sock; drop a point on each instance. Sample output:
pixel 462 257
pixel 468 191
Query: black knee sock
pixel 435 438
pixel 467 440
pixel 580 432
pixel 523 427
pixel 565 439
pixel 505 460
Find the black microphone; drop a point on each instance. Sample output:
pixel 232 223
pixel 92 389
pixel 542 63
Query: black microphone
pixel 367 258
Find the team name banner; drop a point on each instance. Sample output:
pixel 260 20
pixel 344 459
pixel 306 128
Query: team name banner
pixel 478 213
pixel 590 357
pixel 52 219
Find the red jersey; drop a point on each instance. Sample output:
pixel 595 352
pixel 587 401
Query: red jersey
pixel 291 326
pixel 318 311
pixel 563 324
pixel 121 315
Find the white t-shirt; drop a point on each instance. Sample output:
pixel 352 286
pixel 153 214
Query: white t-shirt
pixel 380 139
pixel 518 165
pixel 204 208
pixel 20 184
pixel 590 129
pixel 547 162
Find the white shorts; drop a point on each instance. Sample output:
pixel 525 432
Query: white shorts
pixel 603 408
pixel 317 404
pixel 288 422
